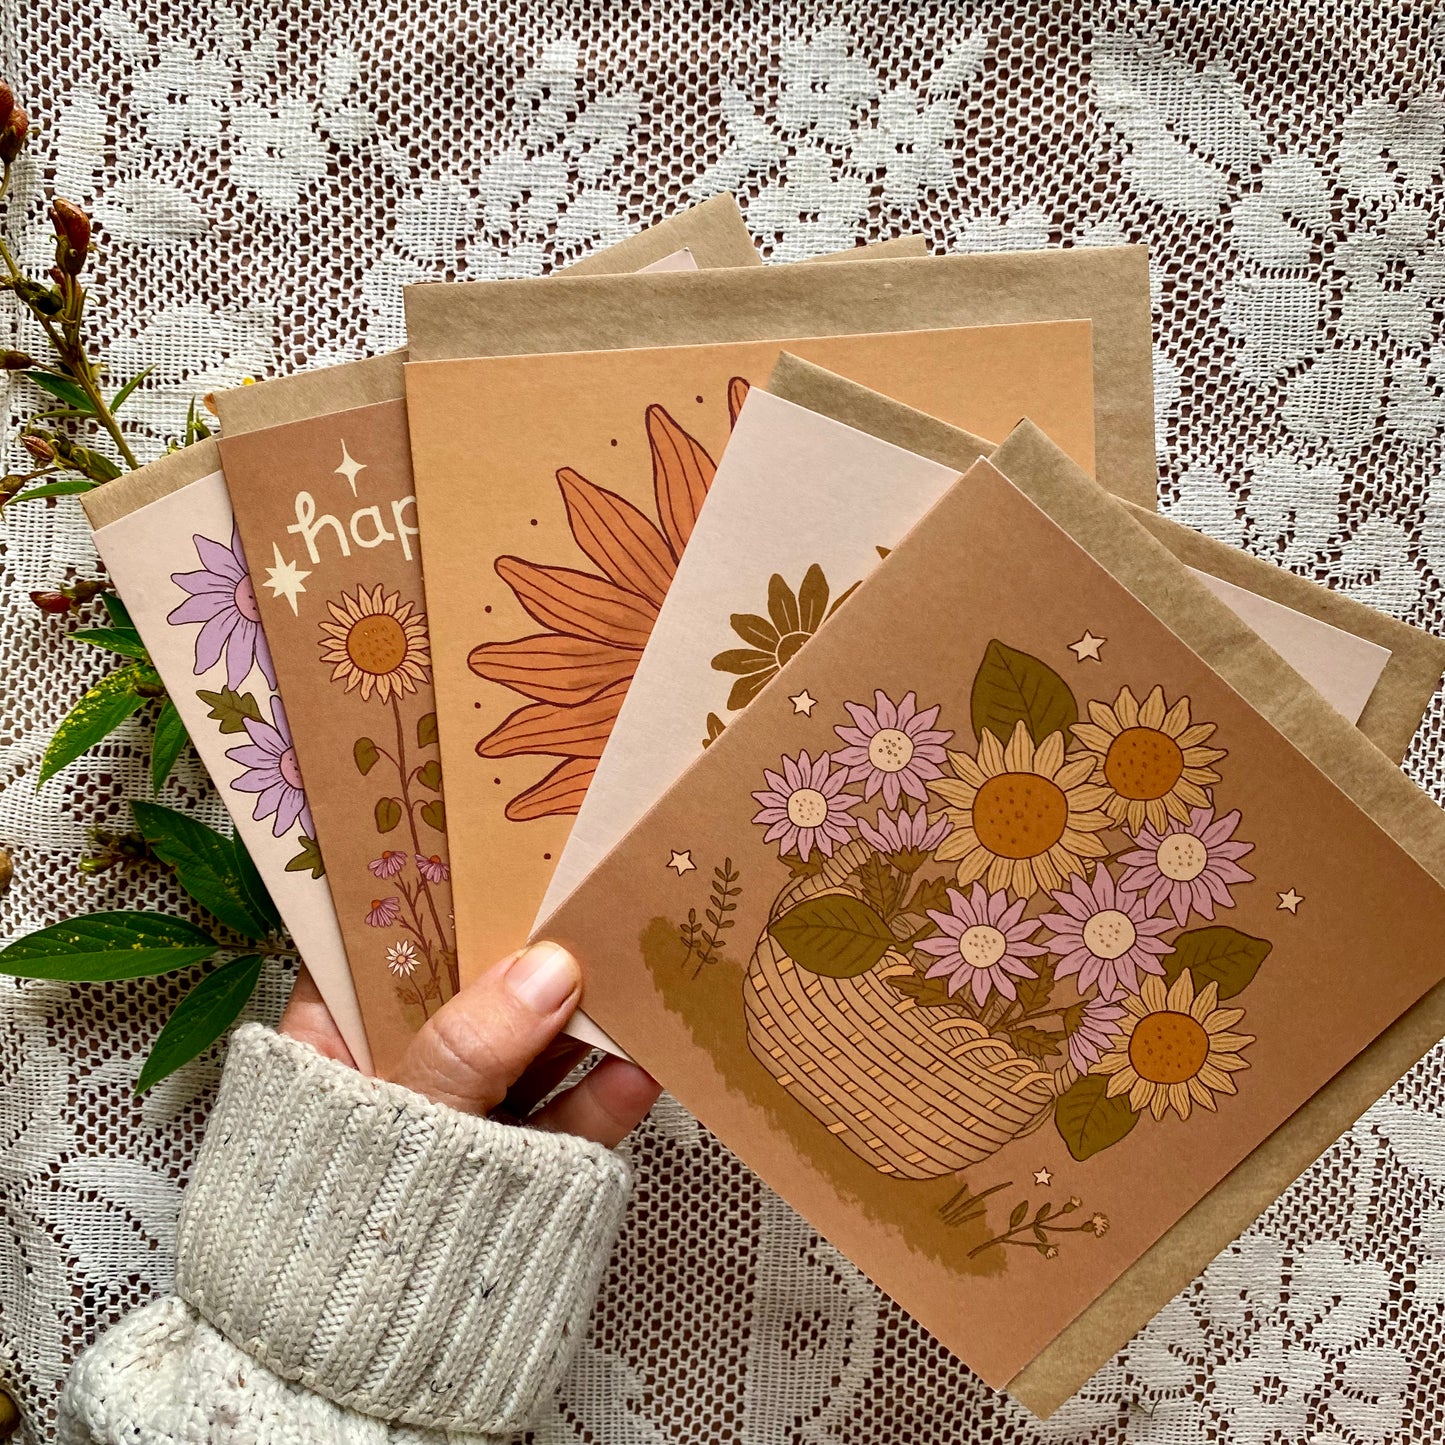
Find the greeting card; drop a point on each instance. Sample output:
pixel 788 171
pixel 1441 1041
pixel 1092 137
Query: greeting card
pixel 169 541
pixel 802 508
pixel 555 496
pixel 996 1040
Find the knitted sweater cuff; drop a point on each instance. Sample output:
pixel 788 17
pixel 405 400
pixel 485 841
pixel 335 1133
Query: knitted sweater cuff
pixel 400 1258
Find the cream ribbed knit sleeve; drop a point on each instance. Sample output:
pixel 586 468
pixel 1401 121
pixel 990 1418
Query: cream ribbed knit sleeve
pixel 348 1249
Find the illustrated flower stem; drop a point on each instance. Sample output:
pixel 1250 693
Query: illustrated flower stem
pixel 409 808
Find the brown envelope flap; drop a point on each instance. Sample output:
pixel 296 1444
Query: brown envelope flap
pixel 311 393
pixel 714 231
pixel 875 251
pixel 131 491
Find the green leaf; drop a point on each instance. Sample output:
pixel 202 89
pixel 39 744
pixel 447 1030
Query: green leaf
pixel 426 730
pixel 170 738
pixel 388 814
pixel 67 390
pixel 101 947
pixel 926 992
pixel 118 613
pixel 73 487
pixel 123 395
pixel 205 864
pixel 430 775
pixel 876 880
pixel 231 709
pixel 1088 1120
pixel 434 815
pixel 365 752
pixel 113 699
pixel 205 1013
pixel 834 934
pixel 114 639
pixel 1011 687
pixel 252 886
pixel 1034 993
pixel 1217 955
pixel 1018 1214
pixel 1034 1043
pixel 308 860
pixel 930 893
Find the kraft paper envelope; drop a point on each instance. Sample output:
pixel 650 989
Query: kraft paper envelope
pixel 998 1041
pixel 167 537
pixel 556 493
pixel 1416 658
pixel 324 505
pixel 1109 286
pixel 801 509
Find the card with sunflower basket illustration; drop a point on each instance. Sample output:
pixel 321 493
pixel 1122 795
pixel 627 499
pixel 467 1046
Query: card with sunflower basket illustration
pixel 1002 955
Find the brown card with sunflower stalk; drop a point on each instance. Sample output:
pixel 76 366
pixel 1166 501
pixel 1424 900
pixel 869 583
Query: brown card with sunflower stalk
pixel 555 495
pixel 996 1044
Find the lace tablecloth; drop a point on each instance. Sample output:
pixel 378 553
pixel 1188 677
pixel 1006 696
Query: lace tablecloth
pixel 266 176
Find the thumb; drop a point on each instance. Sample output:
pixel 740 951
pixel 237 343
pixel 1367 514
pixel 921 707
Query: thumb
pixel 472 1050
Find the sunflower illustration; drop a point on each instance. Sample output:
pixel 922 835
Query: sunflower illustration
pixel 376 642
pixel 793 617
pixel 1176 1048
pixel 577 671
pixel 1023 817
pixel 1150 758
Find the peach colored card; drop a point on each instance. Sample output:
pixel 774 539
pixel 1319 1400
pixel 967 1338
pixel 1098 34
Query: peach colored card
pixel 997 957
pixel 555 495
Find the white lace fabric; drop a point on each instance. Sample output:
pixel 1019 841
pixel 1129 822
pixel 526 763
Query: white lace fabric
pixel 265 177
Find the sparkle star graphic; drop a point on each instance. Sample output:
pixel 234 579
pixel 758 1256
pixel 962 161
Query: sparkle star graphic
pixel 286 579
pixel 804 703
pixel 1290 902
pixel 1087 647
pixel 681 863
pixel 349 467
pixel 1042 1176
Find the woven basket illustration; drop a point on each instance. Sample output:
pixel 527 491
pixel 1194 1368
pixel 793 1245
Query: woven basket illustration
pixel 917 1092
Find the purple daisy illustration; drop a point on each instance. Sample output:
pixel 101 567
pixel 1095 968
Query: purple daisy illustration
pixel 894 748
pixel 1191 864
pixel 1094 1033
pixel 805 807
pixel 224 601
pixel 388 865
pixel 984 943
pixel 433 869
pixel 906 833
pixel 1105 935
pixel 383 912
pixel 272 773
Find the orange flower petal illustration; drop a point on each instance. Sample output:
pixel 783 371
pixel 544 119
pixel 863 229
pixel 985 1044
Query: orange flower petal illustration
pixel 579 603
pixel 682 472
pixel 580 731
pixel 552 667
pixel 617 537
pixel 559 794
pixel 738 389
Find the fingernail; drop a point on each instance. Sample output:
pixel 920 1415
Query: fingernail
pixel 544 977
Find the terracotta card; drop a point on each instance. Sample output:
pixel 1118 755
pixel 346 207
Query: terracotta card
pixel 169 541
pixel 995 1041
pixel 802 508
pixel 1108 286
pixel 556 493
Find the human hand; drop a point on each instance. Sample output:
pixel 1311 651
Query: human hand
pixel 498 1040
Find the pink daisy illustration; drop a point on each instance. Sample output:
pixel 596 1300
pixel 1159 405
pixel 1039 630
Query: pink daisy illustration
pixel 1191 864
pixel 893 748
pixel 985 939
pixel 906 833
pixel 1105 935
pixel 383 912
pixel 388 865
pixel 272 773
pixel 224 601
pixel 433 869
pixel 1094 1033
pixel 805 807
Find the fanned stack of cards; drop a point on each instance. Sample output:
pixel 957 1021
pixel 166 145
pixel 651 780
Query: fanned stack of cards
pixel 1023 884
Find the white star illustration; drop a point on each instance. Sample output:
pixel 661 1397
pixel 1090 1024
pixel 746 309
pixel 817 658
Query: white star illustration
pixel 1042 1176
pixel 349 467
pixel 681 863
pixel 286 579
pixel 1290 902
pixel 804 703
pixel 1087 647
